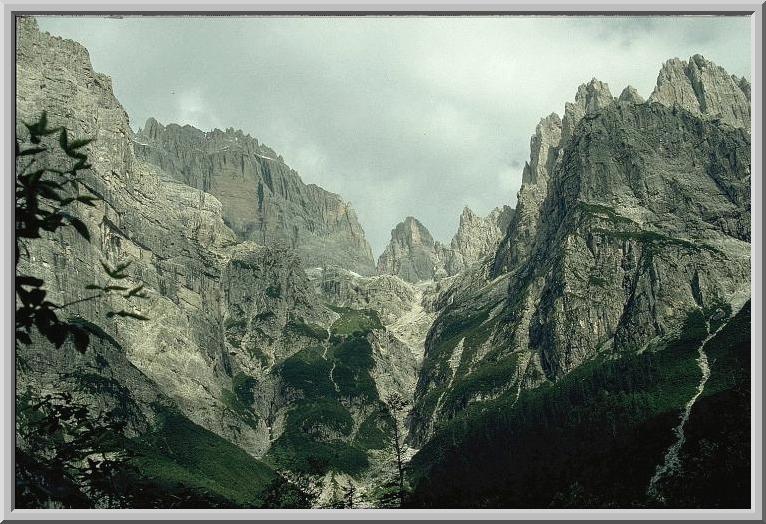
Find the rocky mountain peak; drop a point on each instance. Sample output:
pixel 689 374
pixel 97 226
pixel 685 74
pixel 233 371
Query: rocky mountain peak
pixel 590 97
pixel 152 129
pixel 630 95
pixel 413 233
pixel 743 84
pixel 467 215
pixel 476 238
pixel 704 88
pixel 699 86
pixel 544 149
pixel 410 253
pixel 542 144
pixel 413 255
pixel 596 95
pixel 472 225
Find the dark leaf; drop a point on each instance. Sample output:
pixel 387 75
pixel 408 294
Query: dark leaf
pixel 80 226
pixel 23 337
pixel 46 191
pixel 56 334
pixel 36 296
pixel 31 151
pixel 88 200
pixel 80 337
pixel 122 266
pixel 26 280
pixel 129 314
pixel 135 291
pixel 77 144
pixel 64 140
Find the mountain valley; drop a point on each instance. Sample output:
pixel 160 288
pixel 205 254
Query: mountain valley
pixel 542 358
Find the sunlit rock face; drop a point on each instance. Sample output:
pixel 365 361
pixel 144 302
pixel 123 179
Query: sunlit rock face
pixel 410 253
pixel 173 235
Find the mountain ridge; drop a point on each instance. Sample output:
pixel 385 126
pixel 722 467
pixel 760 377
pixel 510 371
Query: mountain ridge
pixel 264 200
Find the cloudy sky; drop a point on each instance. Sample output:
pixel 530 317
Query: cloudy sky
pixel 400 115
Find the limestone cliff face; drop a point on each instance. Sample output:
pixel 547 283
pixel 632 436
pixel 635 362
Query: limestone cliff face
pixel 410 254
pixel 630 95
pixel 590 97
pixel 218 309
pixel 476 238
pixel 413 255
pixel 173 234
pixel 630 216
pixel 263 199
pixel 520 234
pixel 634 243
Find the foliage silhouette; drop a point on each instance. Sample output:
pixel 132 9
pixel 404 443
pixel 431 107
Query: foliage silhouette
pixel 45 196
pixel 67 457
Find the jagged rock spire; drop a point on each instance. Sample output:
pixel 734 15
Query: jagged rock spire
pixel 704 88
pixel 590 97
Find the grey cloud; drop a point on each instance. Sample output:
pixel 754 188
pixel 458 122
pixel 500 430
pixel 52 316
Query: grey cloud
pixel 401 116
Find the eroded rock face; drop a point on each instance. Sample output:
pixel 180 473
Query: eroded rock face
pixel 406 311
pixel 544 147
pixel 630 95
pixel 263 199
pixel 172 234
pixel 387 294
pixel 629 246
pixel 590 97
pixel 704 88
pixel 476 238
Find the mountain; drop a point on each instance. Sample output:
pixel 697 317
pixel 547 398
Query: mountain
pixel 263 199
pixel 631 236
pixel 590 348
pixel 169 377
pixel 621 227
pixel 413 255
pixel 476 238
pixel 216 367
pixel 247 359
